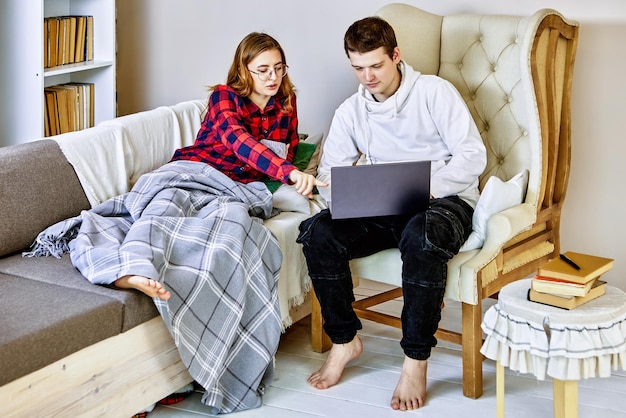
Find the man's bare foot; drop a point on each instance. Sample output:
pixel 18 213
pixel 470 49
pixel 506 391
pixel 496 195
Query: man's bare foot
pixel 339 356
pixel 410 391
pixel 148 286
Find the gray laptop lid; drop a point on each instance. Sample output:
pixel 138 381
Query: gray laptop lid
pixel 379 189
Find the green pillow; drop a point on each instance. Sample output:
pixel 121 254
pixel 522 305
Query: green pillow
pixel 304 152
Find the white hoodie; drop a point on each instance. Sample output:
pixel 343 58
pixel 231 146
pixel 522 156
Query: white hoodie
pixel 425 119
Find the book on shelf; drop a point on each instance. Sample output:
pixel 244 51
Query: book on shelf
pixel 89 39
pixel 86 95
pixel 62 41
pixel 568 302
pixel 71 93
pixel 67 40
pixel 46 37
pixel 560 286
pixel 71 50
pixel 62 108
pixel 79 53
pixel 92 100
pixel 53 42
pixel 68 107
pixel 46 122
pixel 51 111
pixel 589 267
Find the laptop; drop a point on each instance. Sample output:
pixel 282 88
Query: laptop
pixel 379 189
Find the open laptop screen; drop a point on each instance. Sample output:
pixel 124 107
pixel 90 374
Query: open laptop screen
pixel 379 189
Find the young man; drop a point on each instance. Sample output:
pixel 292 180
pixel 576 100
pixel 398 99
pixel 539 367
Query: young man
pixel 397 114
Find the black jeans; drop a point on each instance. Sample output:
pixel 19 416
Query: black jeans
pixel 426 241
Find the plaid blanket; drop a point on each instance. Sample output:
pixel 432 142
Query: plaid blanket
pixel 199 233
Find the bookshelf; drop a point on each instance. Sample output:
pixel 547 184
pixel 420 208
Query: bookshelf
pixel 23 76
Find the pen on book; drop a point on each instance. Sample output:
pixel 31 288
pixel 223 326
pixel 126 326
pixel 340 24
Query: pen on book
pixel 569 261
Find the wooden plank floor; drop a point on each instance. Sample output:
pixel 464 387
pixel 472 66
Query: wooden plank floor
pixel 368 382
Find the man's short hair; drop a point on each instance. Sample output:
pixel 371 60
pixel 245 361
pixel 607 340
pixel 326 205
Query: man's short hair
pixel 368 34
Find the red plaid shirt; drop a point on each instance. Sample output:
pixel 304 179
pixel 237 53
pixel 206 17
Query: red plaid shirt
pixel 230 133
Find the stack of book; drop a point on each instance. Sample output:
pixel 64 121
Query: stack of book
pixel 68 107
pixel 67 40
pixel 570 280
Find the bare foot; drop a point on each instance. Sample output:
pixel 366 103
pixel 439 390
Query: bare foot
pixel 410 391
pixel 148 286
pixel 339 356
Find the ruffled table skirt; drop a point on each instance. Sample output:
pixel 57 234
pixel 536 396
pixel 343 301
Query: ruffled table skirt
pixel 528 337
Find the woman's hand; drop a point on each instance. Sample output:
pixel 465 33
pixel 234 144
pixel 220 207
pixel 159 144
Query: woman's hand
pixel 304 183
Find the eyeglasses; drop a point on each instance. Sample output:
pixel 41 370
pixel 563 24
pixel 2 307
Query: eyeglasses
pixel 266 73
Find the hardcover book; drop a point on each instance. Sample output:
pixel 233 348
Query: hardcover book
pixel 560 287
pixel 568 302
pixel 591 266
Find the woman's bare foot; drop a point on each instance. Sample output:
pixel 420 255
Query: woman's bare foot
pixel 410 391
pixel 148 286
pixel 339 356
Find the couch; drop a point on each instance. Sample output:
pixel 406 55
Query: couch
pixel 83 349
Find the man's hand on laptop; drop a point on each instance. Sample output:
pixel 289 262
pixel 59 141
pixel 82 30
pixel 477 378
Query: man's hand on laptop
pixel 304 183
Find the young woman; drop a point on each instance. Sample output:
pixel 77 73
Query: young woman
pixel 249 131
pixel 187 234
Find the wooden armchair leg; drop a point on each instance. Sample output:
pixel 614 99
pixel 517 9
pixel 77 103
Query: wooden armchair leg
pixel 471 343
pixel 319 339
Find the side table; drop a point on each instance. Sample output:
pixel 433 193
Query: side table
pixel 567 345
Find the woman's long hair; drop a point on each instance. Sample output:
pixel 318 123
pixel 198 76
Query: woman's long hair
pixel 239 77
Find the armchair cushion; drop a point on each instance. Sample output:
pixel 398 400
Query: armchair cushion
pixel 495 197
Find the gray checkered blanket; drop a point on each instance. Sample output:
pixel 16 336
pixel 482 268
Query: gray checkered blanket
pixel 199 233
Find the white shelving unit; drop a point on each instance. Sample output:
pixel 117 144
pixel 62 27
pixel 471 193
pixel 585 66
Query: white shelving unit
pixel 22 74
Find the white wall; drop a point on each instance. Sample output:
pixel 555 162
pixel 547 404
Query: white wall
pixel 169 51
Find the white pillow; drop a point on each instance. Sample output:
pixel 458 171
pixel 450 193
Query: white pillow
pixel 495 197
pixel 287 199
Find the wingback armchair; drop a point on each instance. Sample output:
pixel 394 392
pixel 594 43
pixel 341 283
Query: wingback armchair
pixel 515 74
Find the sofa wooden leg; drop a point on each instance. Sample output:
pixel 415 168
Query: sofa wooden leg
pixel 471 343
pixel 319 339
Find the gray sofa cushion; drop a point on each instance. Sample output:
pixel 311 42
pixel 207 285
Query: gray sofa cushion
pixel 42 323
pixel 24 191
pixel 138 307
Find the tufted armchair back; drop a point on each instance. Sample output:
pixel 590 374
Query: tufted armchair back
pixel 481 56
pixel 487 58
pixel 515 74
